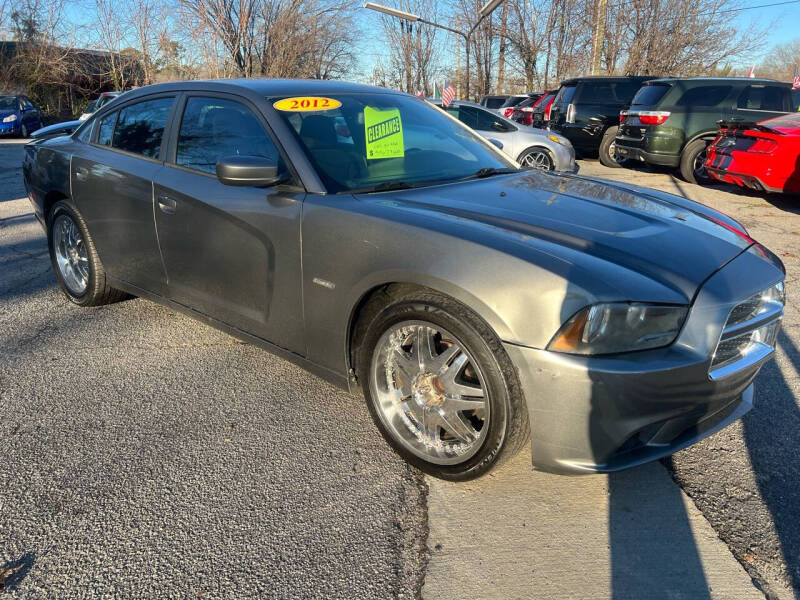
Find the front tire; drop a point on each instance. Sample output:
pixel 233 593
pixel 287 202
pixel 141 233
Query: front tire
pixel 438 384
pixel 537 158
pixel 23 130
pixel 693 160
pixel 75 261
pixel 607 153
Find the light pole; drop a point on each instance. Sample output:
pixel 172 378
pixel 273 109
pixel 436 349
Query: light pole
pixel 484 12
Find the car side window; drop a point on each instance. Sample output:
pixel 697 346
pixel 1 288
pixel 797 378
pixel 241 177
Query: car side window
pixel 468 116
pixel 486 121
pixel 212 128
pixel 704 95
pixel 106 129
pixel 763 97
pixel 140 127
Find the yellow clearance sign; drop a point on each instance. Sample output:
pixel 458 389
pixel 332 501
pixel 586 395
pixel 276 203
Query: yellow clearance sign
pixel 306 104
pixel 383 130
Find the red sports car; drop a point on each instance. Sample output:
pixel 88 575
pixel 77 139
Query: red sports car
pixel 761 156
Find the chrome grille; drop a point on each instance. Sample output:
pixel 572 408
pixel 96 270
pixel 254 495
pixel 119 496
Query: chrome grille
pixel 750 332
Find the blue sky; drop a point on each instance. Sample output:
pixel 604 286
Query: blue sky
pixel 783 23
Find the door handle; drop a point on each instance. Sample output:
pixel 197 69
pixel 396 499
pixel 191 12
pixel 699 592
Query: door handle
pixel 81 173
pixel 167 205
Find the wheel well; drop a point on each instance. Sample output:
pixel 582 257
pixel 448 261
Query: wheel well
pixel 371 301
pixel 51 198
pixel 702 136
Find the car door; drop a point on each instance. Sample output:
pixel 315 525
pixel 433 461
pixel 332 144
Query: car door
pixel 30 114
pixel 112 186
pixel 758 102
pixel 230 252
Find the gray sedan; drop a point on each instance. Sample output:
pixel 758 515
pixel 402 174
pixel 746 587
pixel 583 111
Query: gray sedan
pixel 385 246
pixel 530 147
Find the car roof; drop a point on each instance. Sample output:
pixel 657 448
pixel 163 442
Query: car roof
pixel 718 79
pixel 609 78
pixel 262 87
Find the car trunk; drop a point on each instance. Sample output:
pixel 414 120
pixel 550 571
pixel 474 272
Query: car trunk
pixel 643 115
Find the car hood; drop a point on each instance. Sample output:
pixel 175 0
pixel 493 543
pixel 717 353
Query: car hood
pixel 666 238
pixel 57 128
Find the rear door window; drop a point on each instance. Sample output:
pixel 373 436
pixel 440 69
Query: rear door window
pixel 213 128
pixel 650 95
pixel 565 95
pixel 704 95
pixel 764 97
pixel 140 127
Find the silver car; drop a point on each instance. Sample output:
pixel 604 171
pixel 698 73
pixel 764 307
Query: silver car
pixel 367 236
pixel 528 146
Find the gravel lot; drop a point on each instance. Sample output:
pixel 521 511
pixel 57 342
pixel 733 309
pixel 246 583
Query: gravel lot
pixel 144 455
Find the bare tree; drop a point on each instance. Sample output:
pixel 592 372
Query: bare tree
pixel 276 38
pixel 781 61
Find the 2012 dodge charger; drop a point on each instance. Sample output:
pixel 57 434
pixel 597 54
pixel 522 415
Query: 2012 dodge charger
pixel 384 246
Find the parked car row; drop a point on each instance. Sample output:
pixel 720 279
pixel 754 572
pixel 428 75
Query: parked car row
pixel 666 121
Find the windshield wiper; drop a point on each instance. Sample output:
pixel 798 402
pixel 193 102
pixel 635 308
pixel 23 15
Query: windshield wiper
pixel 489 171
pixel 387 186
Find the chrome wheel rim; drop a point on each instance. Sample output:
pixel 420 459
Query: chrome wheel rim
pixel 429 392
pixel 71 255
pixel 537 159
pixel 699 164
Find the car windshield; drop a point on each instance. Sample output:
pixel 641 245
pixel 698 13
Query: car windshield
pixel 8 103
pixel 378 141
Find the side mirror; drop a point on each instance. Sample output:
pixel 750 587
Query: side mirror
pixel 497 143
pixel 255 171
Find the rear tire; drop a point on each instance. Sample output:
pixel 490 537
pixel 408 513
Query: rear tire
pixel 692 162
pixel 607 152
pixel 494 433
pixel 80 273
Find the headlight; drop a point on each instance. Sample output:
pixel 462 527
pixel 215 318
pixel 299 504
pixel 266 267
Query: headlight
pixel 619 327
pixel 10 119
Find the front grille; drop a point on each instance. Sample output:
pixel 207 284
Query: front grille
pixel 750 332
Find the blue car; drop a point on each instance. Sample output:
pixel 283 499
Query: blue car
pixel 18 116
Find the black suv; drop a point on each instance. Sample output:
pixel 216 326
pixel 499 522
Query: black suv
pixel 586 112
pixel 672 120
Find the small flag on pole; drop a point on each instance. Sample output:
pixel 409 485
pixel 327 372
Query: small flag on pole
pixel 448 94
pixel 752 71
pixel 796 82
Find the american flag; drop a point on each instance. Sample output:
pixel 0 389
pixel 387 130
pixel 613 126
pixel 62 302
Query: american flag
pixel 796 82
pixel 448 94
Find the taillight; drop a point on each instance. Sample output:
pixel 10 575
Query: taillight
pixel 527 118
pixel 763 146
pixel 653 117
pixel 622 116
pixel 570 116
pixel 547 108
pixel 508 112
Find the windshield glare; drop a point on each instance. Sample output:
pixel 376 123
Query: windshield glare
pixel 360 141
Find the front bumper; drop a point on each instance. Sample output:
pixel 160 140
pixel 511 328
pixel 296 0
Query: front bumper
pixel 603 414
pixel 12 128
